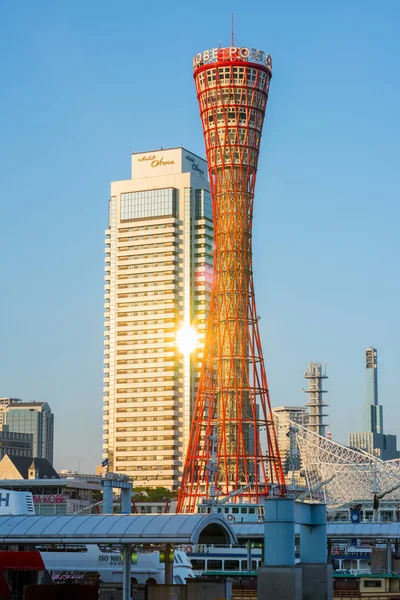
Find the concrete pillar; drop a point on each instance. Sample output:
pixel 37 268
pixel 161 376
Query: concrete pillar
pixel 248 547
pixel 279 583
pixel 228 588
pixel 169 565
pixel 329 559
pixel 126 494
pixel 317 579
pixel 278 578
pixel 279 532
pixel 389 557
pixel 126 577
pixel 313 547
pixel 107 497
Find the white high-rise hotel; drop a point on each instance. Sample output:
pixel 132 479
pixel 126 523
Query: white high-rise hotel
pixel 159 253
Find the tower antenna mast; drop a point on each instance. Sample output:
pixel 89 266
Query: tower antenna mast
pixel 233 30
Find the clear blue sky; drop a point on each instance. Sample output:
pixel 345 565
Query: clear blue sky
pixel 83 84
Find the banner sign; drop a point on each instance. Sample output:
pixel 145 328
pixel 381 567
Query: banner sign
pixel 240 54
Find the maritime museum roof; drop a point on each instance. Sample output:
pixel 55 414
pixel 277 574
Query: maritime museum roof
pixel 117 529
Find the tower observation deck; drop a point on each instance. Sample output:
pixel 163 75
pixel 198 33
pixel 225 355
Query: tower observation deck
pixel 232 411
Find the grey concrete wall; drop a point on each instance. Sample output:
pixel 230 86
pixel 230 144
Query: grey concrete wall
pixel 378 560
pixel 197 589
pixel 166 592
pixel 279 583
pixel 317 581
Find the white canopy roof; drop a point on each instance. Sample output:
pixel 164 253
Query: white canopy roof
pixel 334 530
pixel 366 530
pixel 116 529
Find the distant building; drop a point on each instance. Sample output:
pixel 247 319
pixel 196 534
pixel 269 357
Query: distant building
pixel 26 467
pixel 52 495
pixel 372 418
pixel 288 448
pixel 15 444
pixel 382 445
pixel 34 418
pixel 155 508
pixel 316 404
pixel 372 439
pixel 4 403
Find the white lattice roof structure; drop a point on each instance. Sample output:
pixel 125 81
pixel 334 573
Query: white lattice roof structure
pixel 357 473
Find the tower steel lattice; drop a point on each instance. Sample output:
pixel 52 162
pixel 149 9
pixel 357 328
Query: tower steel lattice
pixel 232 412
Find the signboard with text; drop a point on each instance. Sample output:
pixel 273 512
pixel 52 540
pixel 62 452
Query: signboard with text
pixel 232 53
pixel 49 499
pixel 168 162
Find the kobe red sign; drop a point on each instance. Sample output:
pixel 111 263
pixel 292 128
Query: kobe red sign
pixel 50 499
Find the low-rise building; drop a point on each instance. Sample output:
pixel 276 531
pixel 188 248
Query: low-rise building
pixel 146 508
pixel 52 495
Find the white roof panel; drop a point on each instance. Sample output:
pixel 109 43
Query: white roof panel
pixel 177 529
pixel 110 524
pixel 334 530
pixel 384 530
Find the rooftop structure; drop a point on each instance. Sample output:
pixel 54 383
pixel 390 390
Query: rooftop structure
pixel 26 467
pixel 224 455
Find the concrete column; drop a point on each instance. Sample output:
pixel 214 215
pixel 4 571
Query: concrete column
pixel 279 547
pixel 169 565
pixel 126 494
pixel 313 548
pixel 107 497
pixel 279 583
pixel 126 577
pixel 248 547
pixel 278 578
pixel 228 588
pixel 329 559
pixel 317 581
pixel 389 557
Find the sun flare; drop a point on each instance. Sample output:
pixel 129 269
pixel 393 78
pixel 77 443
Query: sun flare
pixel 187 339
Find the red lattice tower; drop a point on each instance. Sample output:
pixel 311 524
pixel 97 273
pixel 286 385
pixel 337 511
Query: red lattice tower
pixel 232 407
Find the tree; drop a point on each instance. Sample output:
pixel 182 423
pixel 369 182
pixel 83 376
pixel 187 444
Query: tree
pixel 157 494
